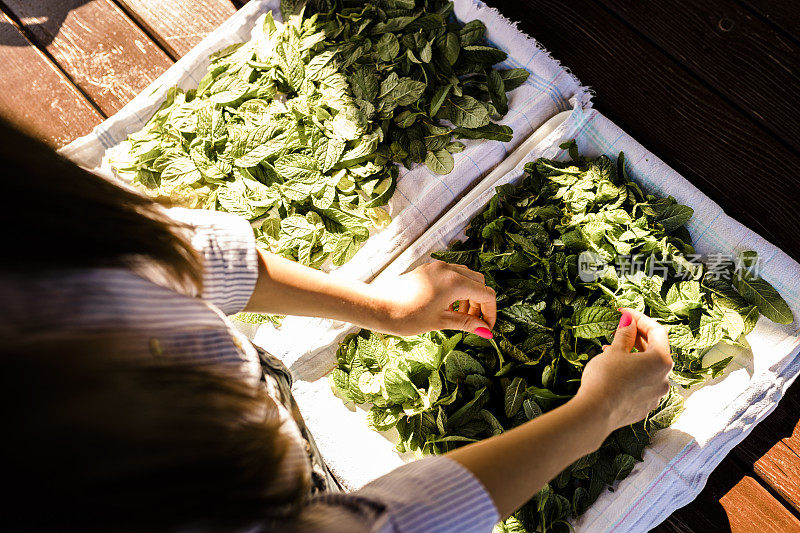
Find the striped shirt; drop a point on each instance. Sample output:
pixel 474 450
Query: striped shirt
pixel 432 494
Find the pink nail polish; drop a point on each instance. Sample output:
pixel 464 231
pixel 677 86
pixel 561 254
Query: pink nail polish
pixel 483 332
pixel 625 320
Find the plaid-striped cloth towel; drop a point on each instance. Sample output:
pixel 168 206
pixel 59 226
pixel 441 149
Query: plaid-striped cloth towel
pixel 718 415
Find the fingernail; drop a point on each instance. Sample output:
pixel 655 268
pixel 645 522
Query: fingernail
pixel 483 332
pixel 625 320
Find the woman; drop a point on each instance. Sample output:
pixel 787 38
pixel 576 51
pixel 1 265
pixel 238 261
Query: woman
pixel 132 402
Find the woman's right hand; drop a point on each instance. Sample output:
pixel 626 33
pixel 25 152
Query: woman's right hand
pixel 629 385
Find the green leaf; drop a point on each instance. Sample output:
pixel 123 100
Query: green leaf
pixel 382 419
pixel 684 296
pixel 513 78
pixel 525 314
pixel 491 131
pixel 451 48
pixel 298 167
pixel 593 322
pixel 439 97
pixel 228 90
pixel 515 394
pixel 674 216
pixel 440 161
pixel 405 92
pixel 447 346
pixel 182 169
pixel 462 257
pixel 345 248
pixel 623 465
pixel 497 91
pixel 491 420
pixel 364 81
pixel 750 318
pixel 666 413
pixel 387 47
pixel 398 386
pixel 469 410
pixel 329 153
pixel 485 55
pixel 339 379
pixel 466 112
pixel 316 66
pixel 372 351
pixel 472 32
pixel 393 25
pixel 759 292
pixel 458 365
pixel 733 323
pixel 531 408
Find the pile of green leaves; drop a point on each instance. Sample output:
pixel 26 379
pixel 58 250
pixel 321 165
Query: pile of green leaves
pixel 418 66
pixel 441 390
pixel 299 128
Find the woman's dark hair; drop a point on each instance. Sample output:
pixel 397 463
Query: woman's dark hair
pixel 93 443
pixel 57 214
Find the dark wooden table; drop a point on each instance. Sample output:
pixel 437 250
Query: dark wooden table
pixel 708 86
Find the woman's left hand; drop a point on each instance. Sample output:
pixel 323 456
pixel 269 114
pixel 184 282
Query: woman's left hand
pixel 423 300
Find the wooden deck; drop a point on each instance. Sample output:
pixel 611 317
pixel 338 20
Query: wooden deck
pixel 708 86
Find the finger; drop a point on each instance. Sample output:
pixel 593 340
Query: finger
pixel 643 323
pixel 463 306
pixel 474 309
pixel 640 344
pixel 654 334
pixel 625 336
pixel 463 322
pixel 471 274
pixel 480 294
pixel 606 347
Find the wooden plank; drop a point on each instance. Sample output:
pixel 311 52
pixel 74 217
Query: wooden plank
pixel 673 114
pixel 179 26
pixel 751 508
pixel 785 14
pixel 36 95
pixel 773 448
pixel 96 45
pixel 739 55
pixel 731 501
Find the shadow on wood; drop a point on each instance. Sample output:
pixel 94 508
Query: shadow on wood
pixel 46 15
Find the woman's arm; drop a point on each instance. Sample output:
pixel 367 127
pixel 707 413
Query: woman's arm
pixel 617 388
pixel 412 303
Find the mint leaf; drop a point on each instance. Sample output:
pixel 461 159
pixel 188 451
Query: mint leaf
pixel 760 293
pixel 440 161
pixel 593 322
pixel 515 394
